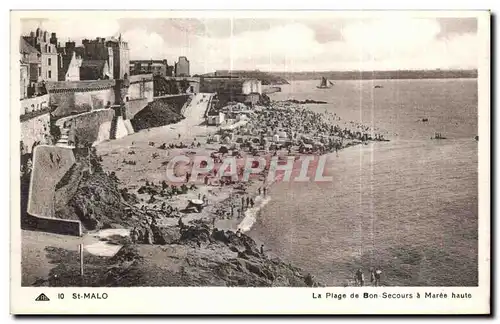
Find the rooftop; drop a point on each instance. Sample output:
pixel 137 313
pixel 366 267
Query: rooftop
pixel 26 48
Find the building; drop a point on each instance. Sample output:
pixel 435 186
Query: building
pixel 48 53
pixel 95 70
pixel 170 70
pixel 113 50
pixel 98 50
pixel 70 61
pixel 233 85
pixel 182 67
pixel 31 56
pixel 121 58
pixel 155 67
pixel 232 89
pixel 24 79
pixel 30 67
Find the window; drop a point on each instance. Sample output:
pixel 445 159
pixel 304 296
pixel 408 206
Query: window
pixel 50 74
pixel 49 61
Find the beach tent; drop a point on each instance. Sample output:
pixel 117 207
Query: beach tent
pixel 196 204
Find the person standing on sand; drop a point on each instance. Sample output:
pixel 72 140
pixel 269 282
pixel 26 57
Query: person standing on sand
pixel 265 191
pixel 180 223
pixel 259 191
pixel 242 202
pixel 359 278
pixel 377 277
pixel 248 202
pixel 262 249
pixel 251 202
pixel 133 235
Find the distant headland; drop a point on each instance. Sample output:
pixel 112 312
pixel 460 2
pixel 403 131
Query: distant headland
pixel 380 75
pixel 276 78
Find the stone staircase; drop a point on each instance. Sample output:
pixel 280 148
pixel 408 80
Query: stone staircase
pixel 64 139
pixel 112 131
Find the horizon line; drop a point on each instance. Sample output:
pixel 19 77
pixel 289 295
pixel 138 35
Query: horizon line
pixel 329 71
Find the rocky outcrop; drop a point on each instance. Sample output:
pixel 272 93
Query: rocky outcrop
pixel 155 114
pixel 201 257
pixel 193 254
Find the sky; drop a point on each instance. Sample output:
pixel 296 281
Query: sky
pixel 286 44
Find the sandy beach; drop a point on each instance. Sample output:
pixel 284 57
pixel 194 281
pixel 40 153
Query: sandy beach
pixel 140 162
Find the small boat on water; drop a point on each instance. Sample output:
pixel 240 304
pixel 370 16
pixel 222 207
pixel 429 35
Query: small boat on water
pixel 425 119
pixel 477 138
pixel 378 87
pixel 438 136
pixel 324 84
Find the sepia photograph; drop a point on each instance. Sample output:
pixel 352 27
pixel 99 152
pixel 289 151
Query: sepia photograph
pixel 230 149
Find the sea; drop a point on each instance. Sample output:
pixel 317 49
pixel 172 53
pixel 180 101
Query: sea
pixel 408 206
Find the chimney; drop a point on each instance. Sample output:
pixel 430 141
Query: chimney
pixel 53 39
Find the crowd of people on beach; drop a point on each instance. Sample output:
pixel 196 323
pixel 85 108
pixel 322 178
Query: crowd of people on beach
pixel 301 126
pixel 165 191
pixel 294 126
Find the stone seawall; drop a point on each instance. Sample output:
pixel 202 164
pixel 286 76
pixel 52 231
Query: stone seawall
pixel 54 225
pixel 80 96
pixel 141 86
pixel 89 128
pixel 32 105
pixel 132 107
pixel 35 130
pixel 50 164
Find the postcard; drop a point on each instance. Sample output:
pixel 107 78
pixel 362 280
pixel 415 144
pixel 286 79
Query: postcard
pixel 250 162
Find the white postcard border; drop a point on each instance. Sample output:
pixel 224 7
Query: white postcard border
pixel 193 300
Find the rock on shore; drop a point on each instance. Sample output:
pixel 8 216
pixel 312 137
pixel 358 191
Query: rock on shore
pixel 202 257
pixel 156 114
